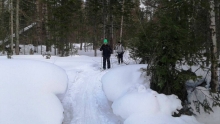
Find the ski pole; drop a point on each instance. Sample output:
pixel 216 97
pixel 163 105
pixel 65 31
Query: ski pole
pixel 101 62
pixel 111 63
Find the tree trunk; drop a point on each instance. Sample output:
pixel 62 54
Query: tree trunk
pixel 46 31
pixel 104 19
pixel 110 23
pixel 39 21
pixel 11 24
pixel 217 26
pixel 122 20
pixel 2 22
pixel 112 34
pixel 95 38
pixel 17 28
pixel 214 70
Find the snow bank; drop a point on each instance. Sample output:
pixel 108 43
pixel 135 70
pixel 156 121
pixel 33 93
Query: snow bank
pixel 28 89
pixel 124 78
pixel 204 73
pixel 142 118
pixel 201 93
pixel 136 103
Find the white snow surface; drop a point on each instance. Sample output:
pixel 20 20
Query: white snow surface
pixel 73 90
pixel 28 92
pixel 136 103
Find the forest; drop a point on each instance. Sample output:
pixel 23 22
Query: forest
pixel 164 34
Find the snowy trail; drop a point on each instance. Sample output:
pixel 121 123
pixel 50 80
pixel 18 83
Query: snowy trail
pixel 85 101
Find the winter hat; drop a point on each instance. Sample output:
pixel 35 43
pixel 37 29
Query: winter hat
pixel 105 41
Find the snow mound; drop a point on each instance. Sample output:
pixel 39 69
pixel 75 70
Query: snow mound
pixel 26 99
pixel 118 83
pixel 142 118
pixel 136 103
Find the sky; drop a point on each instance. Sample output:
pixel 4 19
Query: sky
pixel 74 90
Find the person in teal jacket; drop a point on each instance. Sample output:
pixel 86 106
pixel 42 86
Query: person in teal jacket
pixel 106 53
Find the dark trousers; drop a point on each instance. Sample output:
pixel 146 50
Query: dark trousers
pixel 120 58
pixel 106 59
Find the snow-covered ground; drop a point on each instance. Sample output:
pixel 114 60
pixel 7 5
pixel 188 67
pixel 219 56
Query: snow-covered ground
pixel 85 94
pixel 28 92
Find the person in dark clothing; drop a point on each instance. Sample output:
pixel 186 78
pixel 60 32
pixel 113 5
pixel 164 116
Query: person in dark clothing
pixel 120 52
pixel 106 53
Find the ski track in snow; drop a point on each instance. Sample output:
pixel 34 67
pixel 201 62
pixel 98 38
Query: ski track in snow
pixel 85 101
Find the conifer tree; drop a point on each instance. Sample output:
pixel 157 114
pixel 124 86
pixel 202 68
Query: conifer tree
pixel 60 22
pixel 171 37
